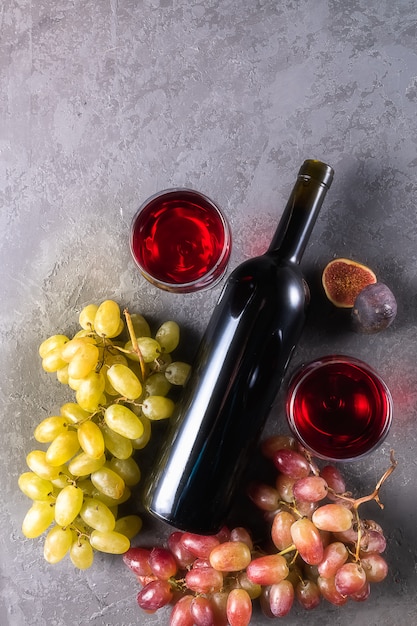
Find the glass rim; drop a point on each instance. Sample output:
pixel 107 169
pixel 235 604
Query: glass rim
pixel 299 376
pixel 210 278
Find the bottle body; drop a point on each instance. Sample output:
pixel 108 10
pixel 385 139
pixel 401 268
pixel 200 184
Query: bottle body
pixel 236 376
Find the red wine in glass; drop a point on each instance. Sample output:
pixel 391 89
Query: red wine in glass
pixel 180 240
pixel 339 408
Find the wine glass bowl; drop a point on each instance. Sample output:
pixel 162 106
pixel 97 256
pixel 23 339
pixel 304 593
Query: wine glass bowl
pixel 180 240
pixel 339 408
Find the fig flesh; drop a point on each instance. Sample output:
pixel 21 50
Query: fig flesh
pixel 343 280
pixel 374 309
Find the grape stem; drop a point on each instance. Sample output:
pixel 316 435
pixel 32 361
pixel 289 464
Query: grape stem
pixel 287 550
pixel 179 584
pixel 372 496
pixel 375 494
pixel 313 466
pixel 80 533
pixel 134 341
pixel 356 502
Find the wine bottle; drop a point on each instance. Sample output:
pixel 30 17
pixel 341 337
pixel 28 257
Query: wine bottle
pixel 238 370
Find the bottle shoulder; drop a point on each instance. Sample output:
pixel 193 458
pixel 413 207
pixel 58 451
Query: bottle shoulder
pixel 262 282
pixel 266 266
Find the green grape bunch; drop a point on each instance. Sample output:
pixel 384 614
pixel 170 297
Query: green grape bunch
pixel 86 468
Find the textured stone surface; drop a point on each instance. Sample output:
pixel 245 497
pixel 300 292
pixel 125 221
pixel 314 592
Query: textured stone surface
pixel 104 103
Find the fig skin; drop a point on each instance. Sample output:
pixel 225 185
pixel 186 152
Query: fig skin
pixel 374 310
pixel 343 279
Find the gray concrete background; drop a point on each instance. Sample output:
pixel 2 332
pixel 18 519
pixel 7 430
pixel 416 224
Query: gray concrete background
pixel 104 103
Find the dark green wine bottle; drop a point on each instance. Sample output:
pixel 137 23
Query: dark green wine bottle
pixel 238 371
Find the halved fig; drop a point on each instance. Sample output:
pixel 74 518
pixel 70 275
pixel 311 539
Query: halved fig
pixel 344 279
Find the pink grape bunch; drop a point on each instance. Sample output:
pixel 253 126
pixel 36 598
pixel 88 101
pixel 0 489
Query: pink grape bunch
pixel 318 548
pixel 332 553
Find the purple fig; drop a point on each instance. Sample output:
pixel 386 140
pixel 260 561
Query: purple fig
pixel 375 309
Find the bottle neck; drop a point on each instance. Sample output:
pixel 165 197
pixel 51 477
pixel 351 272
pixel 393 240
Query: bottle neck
pixel 300 214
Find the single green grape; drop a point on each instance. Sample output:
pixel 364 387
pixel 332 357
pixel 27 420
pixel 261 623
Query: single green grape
pixel 110 542
pixel 158 407
pixel 97 514
pixel 90 491
pixel 71 348
pixel 68 504
pixel 50 427
pixel 141 442
pixel 111 358
pixel 90 391
pixel 87 316
pixel 87 486
pixel 38 518
pixel 112 502
pixel 81 553
pixel 140 325
pixel 107 319
pixel 120 328
pixel 74 383
pixel 149 348
pixel 108 482
pixel 129 526
pixel 53 361
pixel 36 461
pixel 84 465
pixel 128 469
pixel 55 341
pixel 35 487
pixel 168 336
pixel 62 448
pixel 124 381
pixel 73 412
pixel 118 445
pixel 91 439
pixel 84 361
pixel 62 375
pixel 109 390
pixel 157 384
pixel 177 372
pixel 123 421
pixel 57 543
